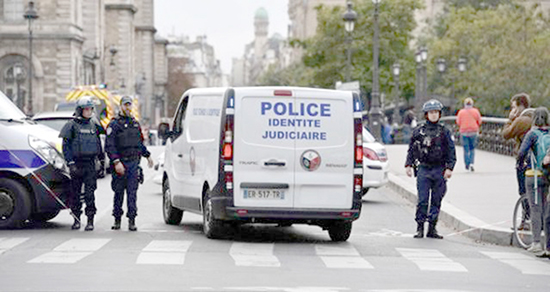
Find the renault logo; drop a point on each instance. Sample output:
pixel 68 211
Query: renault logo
pixel 310 160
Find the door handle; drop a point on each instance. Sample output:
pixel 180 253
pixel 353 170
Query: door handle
pixel 275 163
pixel 180 155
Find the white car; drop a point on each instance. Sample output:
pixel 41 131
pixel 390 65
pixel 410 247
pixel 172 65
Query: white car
pixel 375 163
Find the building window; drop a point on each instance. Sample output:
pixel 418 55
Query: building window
pixel 14 10
pixel 15 86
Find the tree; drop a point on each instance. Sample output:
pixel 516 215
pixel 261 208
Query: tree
pixel 178 82
pixel 507 48
pixel 325 53
pixel 293 75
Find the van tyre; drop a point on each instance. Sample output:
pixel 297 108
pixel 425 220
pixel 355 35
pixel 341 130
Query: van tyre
pixel 44 216
pixel 171 214
pixel 340 231
pixel 211 227
pixel 15 203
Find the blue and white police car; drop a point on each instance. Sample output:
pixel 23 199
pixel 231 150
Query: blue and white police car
pixel 33 176
pixel 284 155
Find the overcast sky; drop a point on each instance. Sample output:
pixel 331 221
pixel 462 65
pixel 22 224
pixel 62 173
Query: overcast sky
pixel 228 24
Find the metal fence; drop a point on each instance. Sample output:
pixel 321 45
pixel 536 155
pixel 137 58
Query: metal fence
pixel 490 137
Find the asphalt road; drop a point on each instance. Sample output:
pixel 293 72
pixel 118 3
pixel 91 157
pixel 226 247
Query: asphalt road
pixel 381 255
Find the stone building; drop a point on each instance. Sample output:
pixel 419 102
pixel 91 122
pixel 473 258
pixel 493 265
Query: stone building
pixel 260 54
pixel 79 42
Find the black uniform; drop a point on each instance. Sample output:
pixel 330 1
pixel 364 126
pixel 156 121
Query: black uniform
pixel 432 151
pixel 125 143
pixel 81 148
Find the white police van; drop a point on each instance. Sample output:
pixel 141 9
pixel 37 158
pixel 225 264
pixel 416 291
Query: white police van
pixel 33 176
pixel 280 155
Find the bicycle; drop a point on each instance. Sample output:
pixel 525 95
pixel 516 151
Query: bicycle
pixel 520 221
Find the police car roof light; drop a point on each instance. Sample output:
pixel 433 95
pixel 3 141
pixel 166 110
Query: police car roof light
pixel 282 93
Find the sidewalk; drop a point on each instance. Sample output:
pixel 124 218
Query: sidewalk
pixel 478 205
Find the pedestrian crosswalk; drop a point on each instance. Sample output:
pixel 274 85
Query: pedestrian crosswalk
pixel 254 254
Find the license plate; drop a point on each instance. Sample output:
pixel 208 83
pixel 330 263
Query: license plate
pixel 264 194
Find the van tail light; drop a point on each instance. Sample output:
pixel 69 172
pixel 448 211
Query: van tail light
pixel 229 180
pixel 370 154
pixel 227 150
pixel 358 183
pixel 228 145
pixel 358 149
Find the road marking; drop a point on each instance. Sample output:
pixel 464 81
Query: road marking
pixel 526 264
pixel 254 254
pixel 9 243
pixel 431 260
pixel 164 252
pixel 343 256
pixel 72 251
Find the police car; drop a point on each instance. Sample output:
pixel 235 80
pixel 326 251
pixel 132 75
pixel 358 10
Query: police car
pixel 281 155
pixel 34 179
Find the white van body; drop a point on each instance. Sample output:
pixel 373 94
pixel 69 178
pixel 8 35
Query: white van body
pixel 265 155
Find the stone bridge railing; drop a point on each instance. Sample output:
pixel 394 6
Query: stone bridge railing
pixel 490 137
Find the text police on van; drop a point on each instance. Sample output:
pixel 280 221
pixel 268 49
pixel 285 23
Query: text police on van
pixel 311 112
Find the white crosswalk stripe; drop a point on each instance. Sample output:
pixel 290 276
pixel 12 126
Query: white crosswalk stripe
pixel 164 252
pixel 343 256
pixel 9 243
pixel 526 264
pixel 72 251
pixel 431 260
pixel 254 254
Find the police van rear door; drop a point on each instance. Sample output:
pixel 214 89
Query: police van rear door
pixel 264 154
pixel 324 149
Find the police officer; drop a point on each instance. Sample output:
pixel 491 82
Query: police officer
pixel 432 152
pixel 124 145
pixel 81 148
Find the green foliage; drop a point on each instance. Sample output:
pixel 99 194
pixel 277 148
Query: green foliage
pixel 294 75
pixel 507 50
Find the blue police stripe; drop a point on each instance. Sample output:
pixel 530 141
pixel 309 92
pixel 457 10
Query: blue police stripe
pixel 25 158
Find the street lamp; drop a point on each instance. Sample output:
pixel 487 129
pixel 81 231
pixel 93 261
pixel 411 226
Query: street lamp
pixel 462 64
pixel 441 65
pixel 396 70
pixel 349 17
pixel 375 114
pixel 30 15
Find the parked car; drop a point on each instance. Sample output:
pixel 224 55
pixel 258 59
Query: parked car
pixel 56 121
pixel 375 163
pixel 159 169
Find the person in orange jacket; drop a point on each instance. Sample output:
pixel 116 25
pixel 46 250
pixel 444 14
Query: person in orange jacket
pixel 468 120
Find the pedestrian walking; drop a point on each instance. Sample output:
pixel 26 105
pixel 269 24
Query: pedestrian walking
pixel 432 152
pixel 532 152
pixel 519 123
pixel 546 217
pixel 468 120
pixel 81 149
pixel 125 147
pixel 409 123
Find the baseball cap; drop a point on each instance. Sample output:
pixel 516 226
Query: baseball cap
pixel 126 99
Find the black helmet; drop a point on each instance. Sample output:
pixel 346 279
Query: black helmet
pixel 431 105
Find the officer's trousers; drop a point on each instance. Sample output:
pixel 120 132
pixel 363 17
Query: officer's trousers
pixel 86 176
pixel 430 183
pixel 127 182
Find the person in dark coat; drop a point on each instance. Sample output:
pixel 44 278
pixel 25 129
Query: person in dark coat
pixel 124 145
pixel 432 152
pixel 81 149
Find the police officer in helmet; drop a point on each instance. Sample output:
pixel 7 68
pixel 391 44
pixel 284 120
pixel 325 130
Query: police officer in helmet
pixel 125 147
pixel 432 153
pixel 81 148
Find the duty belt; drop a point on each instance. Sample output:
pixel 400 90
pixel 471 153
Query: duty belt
pixel 131 158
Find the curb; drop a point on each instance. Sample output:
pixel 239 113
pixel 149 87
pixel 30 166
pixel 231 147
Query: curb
pixel 464 223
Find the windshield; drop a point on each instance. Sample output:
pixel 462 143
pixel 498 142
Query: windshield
pixel 8 110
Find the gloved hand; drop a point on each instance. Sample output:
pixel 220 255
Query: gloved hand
pixel 73 169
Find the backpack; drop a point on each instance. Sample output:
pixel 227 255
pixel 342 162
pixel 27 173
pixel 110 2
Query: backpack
pixel 541 146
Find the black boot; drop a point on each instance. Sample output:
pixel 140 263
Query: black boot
pixel 76 224
pixel 419 231
pixel 90 225
pixel 132 224
pixel 116 225
pixel 432 232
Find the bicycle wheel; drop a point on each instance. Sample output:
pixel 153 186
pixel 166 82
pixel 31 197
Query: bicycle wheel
pixel 521 224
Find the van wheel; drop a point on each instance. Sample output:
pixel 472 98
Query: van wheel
pixel 210 226
pixel 44 216
pixel 15 203
pixel 171 214
pixel 340 231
